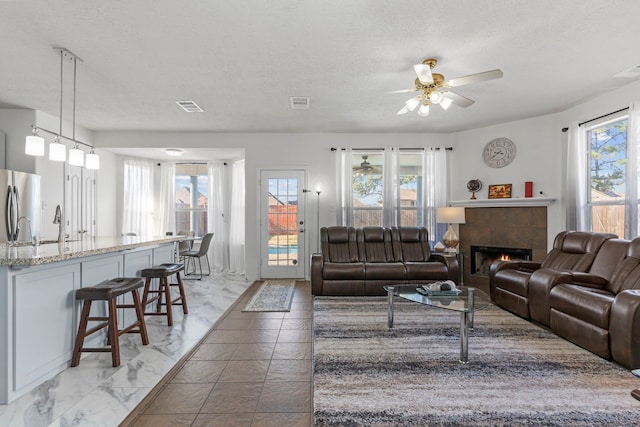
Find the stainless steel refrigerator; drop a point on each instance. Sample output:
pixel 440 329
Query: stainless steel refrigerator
pixel 21 208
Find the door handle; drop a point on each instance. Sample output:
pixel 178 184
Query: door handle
pixel 8 219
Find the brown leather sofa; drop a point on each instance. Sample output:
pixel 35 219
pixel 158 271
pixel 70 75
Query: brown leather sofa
pixel 597 309
pixel 572 251
pixel 602 315
pixel 361 261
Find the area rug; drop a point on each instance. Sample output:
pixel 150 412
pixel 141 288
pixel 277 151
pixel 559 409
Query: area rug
pixel 518 373
pixel 273 295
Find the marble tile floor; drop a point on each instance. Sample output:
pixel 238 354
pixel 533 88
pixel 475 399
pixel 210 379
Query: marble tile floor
pixel 253 369
pixel 96 394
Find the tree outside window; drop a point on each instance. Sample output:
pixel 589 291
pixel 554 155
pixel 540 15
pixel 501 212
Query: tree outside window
pixel 607 164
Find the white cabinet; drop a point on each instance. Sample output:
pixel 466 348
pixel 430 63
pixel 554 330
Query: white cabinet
pixel 44 321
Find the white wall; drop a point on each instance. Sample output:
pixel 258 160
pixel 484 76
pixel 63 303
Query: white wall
pixel 541 158
pixel 16 124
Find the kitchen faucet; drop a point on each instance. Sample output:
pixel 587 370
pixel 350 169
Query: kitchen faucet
pixel 32 238
pixel 57 219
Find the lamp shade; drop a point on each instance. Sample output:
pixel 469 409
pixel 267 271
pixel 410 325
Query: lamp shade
pixel 34 145
pixel 450 215
pixel 76 157
pixel 57 151
pixel 92 161
pixel 423 110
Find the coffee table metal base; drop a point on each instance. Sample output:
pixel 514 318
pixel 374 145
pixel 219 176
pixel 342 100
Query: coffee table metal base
pixel 466 323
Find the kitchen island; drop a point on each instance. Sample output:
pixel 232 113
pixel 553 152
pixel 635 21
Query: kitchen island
pixel 38 311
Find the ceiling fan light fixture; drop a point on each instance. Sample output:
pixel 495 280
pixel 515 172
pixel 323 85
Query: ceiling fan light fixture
pixel 424 73
pixel 445 103
pixel 174 152
pixel 435 97
pixel 412 103
pixel 423 111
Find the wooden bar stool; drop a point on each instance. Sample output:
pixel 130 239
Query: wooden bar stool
pixel 109 290
pixel 163 272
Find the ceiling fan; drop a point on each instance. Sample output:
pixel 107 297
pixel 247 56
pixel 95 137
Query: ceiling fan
pixel 366 168
pixel 434 89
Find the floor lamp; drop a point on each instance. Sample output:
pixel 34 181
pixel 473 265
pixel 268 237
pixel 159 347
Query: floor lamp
pixel 318 222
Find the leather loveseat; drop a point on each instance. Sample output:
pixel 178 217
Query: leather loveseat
pixel 361 261
pixel 597 309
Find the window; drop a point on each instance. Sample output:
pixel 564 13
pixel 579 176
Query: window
pixel 192 198
pixel 607 144
pixel 369 194
pixel 367 188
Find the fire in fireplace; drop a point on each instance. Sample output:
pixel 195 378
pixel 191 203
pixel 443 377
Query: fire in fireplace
pixel 482 257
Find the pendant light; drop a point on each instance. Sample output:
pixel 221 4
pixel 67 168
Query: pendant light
pixel 92 160
pixel 34 144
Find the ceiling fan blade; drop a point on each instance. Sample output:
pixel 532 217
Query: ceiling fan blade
pixel 403 110
pixel 402 91
pixel 459 100
pixel 475 78
pixel 424 73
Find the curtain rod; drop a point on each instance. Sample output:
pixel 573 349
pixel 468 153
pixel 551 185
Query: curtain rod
pixel 599 117
pixel 401 149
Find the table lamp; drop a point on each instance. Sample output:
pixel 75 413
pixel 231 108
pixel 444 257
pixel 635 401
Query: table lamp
pixel 450 215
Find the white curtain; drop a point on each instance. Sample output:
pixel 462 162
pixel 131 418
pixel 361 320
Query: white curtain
pixel 577 180
pixel 344 187
pixel 218 216
pixel 435 172
pixel 390 189
pixel 633 173
pixel 166 206
pixel 236 221
pixel 137 212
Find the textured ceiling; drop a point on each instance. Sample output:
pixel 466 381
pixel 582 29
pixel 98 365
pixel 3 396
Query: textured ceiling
pixel 241 61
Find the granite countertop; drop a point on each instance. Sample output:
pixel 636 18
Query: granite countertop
pixel 53 252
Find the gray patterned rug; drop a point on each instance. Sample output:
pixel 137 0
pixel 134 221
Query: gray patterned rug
pixel 273 295
pixel 518 374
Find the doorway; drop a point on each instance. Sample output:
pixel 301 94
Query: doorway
pixel 282 224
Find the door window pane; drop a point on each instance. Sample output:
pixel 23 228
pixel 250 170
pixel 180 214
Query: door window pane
pixel 283 221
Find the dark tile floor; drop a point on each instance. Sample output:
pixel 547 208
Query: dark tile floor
pixel 253 369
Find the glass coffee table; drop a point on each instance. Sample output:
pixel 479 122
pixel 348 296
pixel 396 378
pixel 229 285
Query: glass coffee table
pixel 466 302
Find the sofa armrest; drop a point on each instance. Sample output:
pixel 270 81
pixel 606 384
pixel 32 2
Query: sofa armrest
pixel 624 329
pixel 540 284
pixel 451 262
pixel 527 266
pixel 317 281
pixel 588 280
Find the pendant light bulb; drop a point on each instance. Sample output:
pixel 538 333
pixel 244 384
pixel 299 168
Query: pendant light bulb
pixel 76 156
pixel 92 160
pixel 57 151
pixel 34 144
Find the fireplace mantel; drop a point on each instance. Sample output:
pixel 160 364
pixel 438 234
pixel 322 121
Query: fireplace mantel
pixel 504 203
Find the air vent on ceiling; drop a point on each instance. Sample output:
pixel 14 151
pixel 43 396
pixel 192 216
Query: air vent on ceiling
pixel 631 72
pixel 190 106
pixel 299 102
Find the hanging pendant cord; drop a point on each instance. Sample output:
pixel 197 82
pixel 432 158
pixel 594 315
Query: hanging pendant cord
pixel 61 86
pixel 75 63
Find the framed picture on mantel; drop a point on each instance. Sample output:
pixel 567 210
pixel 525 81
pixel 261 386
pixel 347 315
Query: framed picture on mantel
pixel 500 191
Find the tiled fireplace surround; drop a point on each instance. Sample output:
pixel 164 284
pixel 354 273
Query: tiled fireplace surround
pixel 513 227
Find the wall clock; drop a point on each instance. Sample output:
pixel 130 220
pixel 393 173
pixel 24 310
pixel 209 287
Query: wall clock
pixel 499 152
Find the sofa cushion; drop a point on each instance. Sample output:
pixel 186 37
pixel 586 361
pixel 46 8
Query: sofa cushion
pixel 432 270
pixel 384 271
pixel 590 305
pixel 410 244
pixel 374 244
pixel 343 271
pixel 339 244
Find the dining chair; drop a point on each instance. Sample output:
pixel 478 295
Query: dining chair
pixel 184 245
pixel 201 252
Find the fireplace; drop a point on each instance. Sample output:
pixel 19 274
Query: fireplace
pixel 481 257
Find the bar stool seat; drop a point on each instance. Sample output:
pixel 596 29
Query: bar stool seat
pixel 109 291
pixel 163 272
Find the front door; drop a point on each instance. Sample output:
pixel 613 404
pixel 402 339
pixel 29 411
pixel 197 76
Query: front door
pixel 282 248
